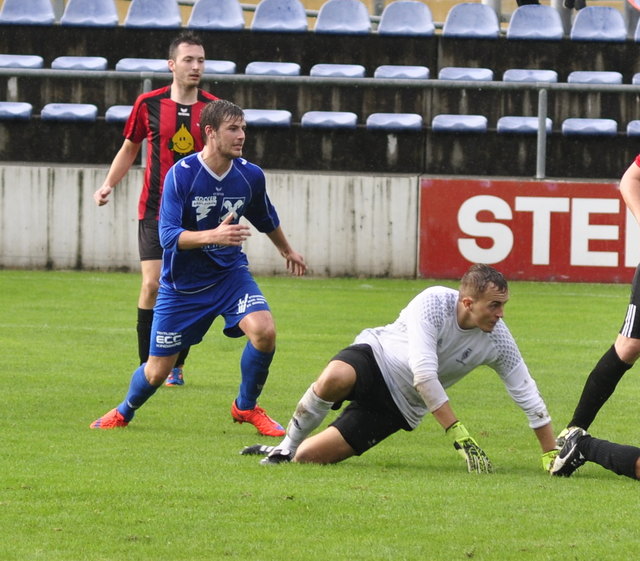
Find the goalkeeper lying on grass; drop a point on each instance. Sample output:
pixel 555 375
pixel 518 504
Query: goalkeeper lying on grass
pixel 394 375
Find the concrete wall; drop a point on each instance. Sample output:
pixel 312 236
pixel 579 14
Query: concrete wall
pixel 344 225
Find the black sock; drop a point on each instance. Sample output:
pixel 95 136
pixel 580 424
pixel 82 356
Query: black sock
pixel 145 319
pixel 182 356
pixel 598 388
pixel 618 458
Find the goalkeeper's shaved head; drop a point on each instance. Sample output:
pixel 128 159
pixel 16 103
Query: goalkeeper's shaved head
pixel 479 278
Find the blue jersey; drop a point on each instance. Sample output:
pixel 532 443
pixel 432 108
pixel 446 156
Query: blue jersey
pixel 195 198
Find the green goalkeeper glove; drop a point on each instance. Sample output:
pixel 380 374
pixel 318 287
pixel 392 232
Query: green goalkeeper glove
pixel 468 448
pixel 547 459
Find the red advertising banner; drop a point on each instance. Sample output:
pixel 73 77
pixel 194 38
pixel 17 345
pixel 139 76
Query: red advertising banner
pixel 529 230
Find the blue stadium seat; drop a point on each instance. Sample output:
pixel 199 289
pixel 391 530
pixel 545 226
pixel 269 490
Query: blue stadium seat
pixel 219 67
pixel 636 79
pixel 280 16
pixel 406 17
pixel 394 121
pixel 79 63
pixel 21 61
pixel 589 127
pixel 459 123
pixel 153 13
pixel 273 68
pixel 118 113
pixel 329 119
pixel 473 20
pixel 90 13
pixel 521 125
pixel 267 117
pixel 594 77
pixel 343 16
pixel 21 12
pixel 529 75
pixel 338 70
pixel 222 15
pixel 464 73
pixel 535 21
pixel 15 110
pixel 69 112
pixel 633 128
pixel 599 23
pixel 401 71
pixel 142 65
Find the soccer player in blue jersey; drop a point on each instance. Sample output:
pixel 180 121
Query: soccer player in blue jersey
pixel 204 270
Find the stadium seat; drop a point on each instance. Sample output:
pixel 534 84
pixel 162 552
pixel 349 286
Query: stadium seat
pixel 464 73
pixel 15 110
pixel 406 17
pixel 219 67
pixel 594 77
pixel 118 113
pixel 599 23
pixel 633 128
pixel 535 21
pixel 529 75
pixel 329 119
pixel 98 13
pixel 590 127
pixel 394 71
pixel 21 12
pixel 636 79
pixel 69 112
pixel 79 63
pixel 473 20
pixel 142 65
pixel 273 68
pixel 343 16
pixel 394 121
pixel 521 125
pixel 21 61
pixel 222 15
pixel 459 123
pixel 153 13
pixel 286 16
pixel 337 70
pixel 267 117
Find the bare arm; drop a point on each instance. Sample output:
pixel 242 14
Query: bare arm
pixel 224 234
pixel 295 261
pixel 119 167
pixel 630 189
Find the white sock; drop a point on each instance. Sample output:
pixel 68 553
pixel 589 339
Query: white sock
pixel 309 413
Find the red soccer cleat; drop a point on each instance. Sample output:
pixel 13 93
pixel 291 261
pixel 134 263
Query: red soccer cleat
pixel 258 418
pixel 111 420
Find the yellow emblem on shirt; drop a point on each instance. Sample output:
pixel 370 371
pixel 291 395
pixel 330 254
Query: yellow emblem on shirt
pixel 182 142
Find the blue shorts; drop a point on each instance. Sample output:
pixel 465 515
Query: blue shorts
pixel 181 320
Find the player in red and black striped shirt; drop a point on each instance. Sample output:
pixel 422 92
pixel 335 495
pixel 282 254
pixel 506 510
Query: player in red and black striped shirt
pixel 168 119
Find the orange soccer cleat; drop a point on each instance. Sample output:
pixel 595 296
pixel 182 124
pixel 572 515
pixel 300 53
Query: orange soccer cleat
pixel 258 418
pixel 111 420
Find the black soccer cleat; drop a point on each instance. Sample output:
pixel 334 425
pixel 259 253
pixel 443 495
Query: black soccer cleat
pixel 569 459
pixel 257 450
pixel 277 456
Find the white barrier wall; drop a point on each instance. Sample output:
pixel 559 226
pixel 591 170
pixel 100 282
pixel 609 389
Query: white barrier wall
pixel 344 225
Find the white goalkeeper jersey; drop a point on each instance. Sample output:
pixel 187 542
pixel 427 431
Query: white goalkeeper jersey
pixel 426 340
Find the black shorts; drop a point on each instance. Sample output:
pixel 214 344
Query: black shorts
pixel 372 414
pixel 149 240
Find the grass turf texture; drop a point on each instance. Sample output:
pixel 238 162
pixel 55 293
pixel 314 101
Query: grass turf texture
pixel 173 486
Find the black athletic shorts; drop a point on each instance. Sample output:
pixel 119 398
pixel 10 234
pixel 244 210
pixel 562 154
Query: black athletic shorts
pixel 149 240
pixel 631 326
pixel 372 414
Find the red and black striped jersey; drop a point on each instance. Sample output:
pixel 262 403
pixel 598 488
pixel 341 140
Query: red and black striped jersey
pixel 172 132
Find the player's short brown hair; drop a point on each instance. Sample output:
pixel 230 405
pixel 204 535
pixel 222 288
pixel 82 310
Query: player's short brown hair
pixel 188 38
pixel 479 278
pixel 216 112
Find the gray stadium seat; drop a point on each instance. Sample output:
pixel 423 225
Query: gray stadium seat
pixel 521 125
pixel 338 70
pixel 273 68
pixel 394 71
pixel 406 17
pixel 394 121
pixel 473 20
pixel 21 61
pixel 142 65
pixel 589 127
pixel 79 63
pixel 153 13
pixel 69 112
pixel 216 14
pixel 633 128
pixel 599 23
pixel 459 123
pixel 529 75
pixel 118 113
pixel 465 73
pixel 219 67
pixel 594 77
pixel 21 12
pixel 343 16
pixel 15 110
pixel 98 13
pixel 267 117
pixel 329 119
pixel 535 21
pixel 280 16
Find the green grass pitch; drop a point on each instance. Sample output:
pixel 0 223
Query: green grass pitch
pixel 172 486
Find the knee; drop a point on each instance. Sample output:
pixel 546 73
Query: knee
pixel 335 384
pixel 627 349
pixel 150 287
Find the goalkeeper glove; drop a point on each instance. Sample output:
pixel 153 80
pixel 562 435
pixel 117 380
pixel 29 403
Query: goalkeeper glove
pixel 548 457
pixel 467 447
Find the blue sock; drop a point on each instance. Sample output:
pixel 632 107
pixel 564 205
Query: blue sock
pixel 139 391
pixel 254 368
